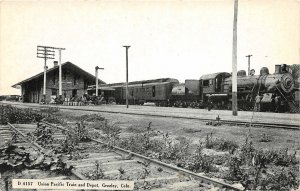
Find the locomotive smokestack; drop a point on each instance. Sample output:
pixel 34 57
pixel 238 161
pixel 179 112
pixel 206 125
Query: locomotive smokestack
pixel 55 63
pixel 277 69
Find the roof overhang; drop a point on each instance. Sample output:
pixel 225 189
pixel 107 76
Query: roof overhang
pixel 64 65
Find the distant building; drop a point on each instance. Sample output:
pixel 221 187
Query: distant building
pixel 9 97
pixel 75 82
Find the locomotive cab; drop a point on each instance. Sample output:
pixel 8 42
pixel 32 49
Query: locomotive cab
pixel 213 83
pixel 213 89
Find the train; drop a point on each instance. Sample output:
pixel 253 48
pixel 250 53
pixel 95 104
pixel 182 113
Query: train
pixel 263 92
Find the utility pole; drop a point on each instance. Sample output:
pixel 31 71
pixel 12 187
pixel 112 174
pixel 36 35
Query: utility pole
pixel 60 73
pixel 249 63
pixel 45 53
pixel 126 75
pixel 234 61
pixel 96 74
pixel 48 52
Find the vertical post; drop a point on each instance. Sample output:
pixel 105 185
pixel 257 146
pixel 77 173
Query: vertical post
pixel 45 72
pixel 59 78
pixel 234 61
pixel 126 75
pixel 249 63
pixel 96 74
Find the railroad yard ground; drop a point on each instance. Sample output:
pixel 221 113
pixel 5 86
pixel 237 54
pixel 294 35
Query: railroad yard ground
pixel 196 130
pixel 219 142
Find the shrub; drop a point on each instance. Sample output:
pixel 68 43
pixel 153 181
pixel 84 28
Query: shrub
pixel 43 135
pixel 234 172
pixel 82 132
pixel 111 132
pixel 97 173
pixel 17 115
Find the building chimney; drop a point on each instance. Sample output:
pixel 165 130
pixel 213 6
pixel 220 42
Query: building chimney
pixel 55 63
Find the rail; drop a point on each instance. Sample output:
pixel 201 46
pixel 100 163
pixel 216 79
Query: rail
pixel 194 175
pixel 39 148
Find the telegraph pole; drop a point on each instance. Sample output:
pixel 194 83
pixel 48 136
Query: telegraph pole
pixel 60 73
pixel 126 75
pixel 96 74
pixel 234 61
pixel 48 52
pixel 45 53
pixel 249 63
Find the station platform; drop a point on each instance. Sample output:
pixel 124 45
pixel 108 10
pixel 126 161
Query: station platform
pixel 245 116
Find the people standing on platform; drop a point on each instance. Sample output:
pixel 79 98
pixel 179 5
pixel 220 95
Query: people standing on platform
pixel 209 103
pixel 257 103
pixel 277 104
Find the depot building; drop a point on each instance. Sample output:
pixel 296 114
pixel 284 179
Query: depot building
pixel 75 82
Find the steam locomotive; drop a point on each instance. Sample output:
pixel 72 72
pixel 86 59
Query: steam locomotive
pixel 270 91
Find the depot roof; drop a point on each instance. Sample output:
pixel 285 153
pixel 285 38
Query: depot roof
pixel 64 65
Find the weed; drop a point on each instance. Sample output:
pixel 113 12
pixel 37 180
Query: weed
pixel 284 179
pixel 69 143
pixel 121 170
pixel 43 135
pixel 17 115
pixel 282 158
pixel 97 173
pixel 111 132
pixel 208 141
pixel 15 158
pixel 198 162
pixel 191 130
pixel 220 144
pixel 82 132
pixel 122 174
pixel 53 119
pixel 234 172
pixel 146 170
pixel 135 129
pixel 247 152
pixel 176 151
pixel 264 138
pixel 90 118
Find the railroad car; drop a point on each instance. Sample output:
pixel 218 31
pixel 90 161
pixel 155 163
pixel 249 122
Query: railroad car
pixel 275 92
pixel 139 92
pixel 187 94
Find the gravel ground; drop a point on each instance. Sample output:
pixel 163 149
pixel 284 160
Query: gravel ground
pixel 196 130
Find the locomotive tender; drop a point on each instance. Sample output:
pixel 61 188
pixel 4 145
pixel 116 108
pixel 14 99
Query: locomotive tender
pixel 210 90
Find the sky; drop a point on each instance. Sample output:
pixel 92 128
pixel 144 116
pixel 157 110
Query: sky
pixel 180 39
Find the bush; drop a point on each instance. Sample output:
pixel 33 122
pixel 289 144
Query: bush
pixel 17 115
pixel 43 135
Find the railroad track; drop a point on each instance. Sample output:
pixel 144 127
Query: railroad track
pixel 147 173
pixel 228 122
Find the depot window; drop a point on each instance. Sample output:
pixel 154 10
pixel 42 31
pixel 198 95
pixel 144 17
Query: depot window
pixel 205 82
